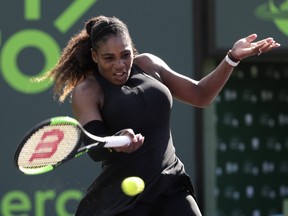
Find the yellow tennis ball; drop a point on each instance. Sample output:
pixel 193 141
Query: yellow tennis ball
pixel 132 186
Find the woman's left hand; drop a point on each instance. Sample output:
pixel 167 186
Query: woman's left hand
pixel 245 47
pixel 137 141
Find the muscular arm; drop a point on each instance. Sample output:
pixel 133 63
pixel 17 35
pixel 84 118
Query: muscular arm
pixel 202 93
pixel 197 93
pixel 87 99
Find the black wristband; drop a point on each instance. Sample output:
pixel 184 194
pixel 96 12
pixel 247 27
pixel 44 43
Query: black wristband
pixel 232 58
pixel 96 127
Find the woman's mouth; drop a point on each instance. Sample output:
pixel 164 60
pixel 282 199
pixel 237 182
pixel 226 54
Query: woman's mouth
pixel 120 76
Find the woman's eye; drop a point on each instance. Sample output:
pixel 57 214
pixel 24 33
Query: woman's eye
pixel 127 55
pixel 108 58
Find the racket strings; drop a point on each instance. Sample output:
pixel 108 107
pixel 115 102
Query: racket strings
pixel 49 145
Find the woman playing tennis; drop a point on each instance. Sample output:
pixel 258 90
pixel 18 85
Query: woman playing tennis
pixel 116 89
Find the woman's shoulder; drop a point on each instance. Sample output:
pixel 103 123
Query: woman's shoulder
pixel 87 85
pixel 87 92
pixel 144 58
pixel 146 61
pixel 150 63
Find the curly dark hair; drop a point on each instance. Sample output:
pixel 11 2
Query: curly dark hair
pixel 75 62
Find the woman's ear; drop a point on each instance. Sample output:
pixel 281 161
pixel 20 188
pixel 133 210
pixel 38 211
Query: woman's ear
pixel 94 56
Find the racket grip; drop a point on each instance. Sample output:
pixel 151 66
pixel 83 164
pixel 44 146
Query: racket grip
pixel 117 141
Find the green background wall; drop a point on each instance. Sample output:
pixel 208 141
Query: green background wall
pixel 33 33
pixel 191 36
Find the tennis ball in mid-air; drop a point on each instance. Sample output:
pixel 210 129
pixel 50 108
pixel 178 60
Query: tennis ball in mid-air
pixel 133 185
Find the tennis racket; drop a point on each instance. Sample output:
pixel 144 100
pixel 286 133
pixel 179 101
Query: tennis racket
pixel 56 140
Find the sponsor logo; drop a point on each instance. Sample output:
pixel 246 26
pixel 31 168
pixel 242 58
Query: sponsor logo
pixel 46 44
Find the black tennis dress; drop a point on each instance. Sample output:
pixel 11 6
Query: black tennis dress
pixel 143 104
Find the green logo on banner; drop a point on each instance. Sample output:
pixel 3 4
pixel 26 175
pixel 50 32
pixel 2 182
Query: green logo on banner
pixel 276 12
pixel 40 40
pixel 18 202
pixel 11 49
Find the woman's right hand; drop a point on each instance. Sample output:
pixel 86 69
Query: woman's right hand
pixel 137 141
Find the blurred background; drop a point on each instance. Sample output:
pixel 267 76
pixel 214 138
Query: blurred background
pixel 235 151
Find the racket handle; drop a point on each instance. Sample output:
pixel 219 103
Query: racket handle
pixel 117 141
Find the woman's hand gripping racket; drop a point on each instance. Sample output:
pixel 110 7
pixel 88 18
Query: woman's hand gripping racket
pixel 55 141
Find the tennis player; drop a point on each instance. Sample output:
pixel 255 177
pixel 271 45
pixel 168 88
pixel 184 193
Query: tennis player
pixel 116 89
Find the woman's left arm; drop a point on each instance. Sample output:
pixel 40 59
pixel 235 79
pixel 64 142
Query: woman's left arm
pixel 202 93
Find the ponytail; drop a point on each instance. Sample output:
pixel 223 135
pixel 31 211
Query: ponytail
pixel 75 62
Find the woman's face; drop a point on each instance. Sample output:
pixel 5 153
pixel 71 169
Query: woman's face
pixel 114 57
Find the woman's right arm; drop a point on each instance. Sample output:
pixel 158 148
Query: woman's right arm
pixel 87 100
pixel 86 103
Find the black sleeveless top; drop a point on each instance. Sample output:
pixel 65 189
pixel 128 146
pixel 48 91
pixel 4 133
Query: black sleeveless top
pixel 143 104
